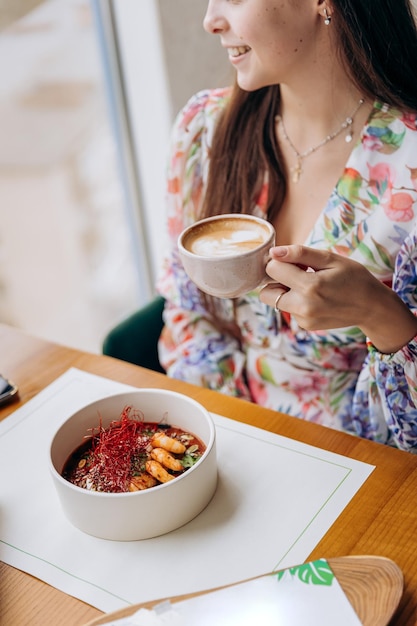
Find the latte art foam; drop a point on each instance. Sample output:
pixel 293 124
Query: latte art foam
pixel 221 239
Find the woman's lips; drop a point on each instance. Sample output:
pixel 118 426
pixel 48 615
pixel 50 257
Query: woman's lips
pixel 237 51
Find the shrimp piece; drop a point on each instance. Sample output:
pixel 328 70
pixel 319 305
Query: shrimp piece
pixel 156 470
pixel 143 481
pixel 166 459
pixel 159 440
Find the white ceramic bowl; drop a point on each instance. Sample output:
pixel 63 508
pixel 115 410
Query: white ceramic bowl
pixel 140 514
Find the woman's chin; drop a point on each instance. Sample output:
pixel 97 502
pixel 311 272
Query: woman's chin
pixel 251 84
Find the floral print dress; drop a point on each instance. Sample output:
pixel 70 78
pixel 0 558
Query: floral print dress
pixel 334 377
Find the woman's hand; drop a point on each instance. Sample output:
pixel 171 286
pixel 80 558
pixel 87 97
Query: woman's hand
pixel 324 290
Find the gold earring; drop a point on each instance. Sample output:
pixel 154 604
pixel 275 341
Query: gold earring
pixel 327 17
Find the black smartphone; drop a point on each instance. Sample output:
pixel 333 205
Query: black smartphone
pixel 8 390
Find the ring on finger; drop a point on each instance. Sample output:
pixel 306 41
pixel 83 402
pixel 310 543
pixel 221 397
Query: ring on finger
pixel 277 299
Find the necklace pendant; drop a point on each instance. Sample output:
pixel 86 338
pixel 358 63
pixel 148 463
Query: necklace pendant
pixel 349 134
pixel 296 172
pixel 347 125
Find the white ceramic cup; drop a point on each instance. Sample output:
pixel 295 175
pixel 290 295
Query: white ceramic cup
pixel 226 255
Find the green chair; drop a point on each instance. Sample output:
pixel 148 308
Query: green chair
pixel 135 339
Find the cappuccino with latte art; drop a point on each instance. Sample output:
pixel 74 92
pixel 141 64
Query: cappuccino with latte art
pixel 226 255
pixel 226 237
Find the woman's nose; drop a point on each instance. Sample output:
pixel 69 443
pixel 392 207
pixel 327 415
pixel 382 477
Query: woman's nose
pixel 214 23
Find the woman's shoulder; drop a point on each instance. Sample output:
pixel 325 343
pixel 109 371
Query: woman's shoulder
pixel 203 108
pixel 390 134
pixel 386 116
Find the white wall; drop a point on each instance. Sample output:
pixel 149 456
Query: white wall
pixel 166 56
pixel 149 112
pixel 195 59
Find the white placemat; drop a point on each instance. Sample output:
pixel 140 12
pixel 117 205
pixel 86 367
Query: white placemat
pixel 275 500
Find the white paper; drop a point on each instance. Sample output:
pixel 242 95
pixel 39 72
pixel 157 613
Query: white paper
pixel 270 602
pixel 275 500
pixel 310 594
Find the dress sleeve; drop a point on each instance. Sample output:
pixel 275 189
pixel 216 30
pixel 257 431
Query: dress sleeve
pixel 192 347
pixel 385 402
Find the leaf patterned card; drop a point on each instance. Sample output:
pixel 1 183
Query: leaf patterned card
pixel 305 595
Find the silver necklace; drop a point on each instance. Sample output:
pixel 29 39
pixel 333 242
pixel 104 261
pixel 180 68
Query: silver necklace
pixel 297 170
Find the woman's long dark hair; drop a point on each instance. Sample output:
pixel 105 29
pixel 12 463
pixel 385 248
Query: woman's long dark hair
pixel 377 43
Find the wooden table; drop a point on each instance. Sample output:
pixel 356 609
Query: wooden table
pixel 380 520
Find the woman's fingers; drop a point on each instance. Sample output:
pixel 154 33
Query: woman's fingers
pixel 304 257
pixel 319 287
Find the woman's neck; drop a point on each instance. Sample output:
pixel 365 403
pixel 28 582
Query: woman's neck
pixel 310 116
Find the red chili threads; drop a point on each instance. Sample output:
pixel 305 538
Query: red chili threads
pixel 114 449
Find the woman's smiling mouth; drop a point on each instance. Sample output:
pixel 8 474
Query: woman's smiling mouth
pixel 238 51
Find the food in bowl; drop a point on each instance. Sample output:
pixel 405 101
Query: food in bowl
pixel 132 454
pixel 145 513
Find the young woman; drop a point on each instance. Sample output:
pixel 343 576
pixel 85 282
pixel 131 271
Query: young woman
pixel 319 137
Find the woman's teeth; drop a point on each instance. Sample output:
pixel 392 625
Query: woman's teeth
pixel 236 52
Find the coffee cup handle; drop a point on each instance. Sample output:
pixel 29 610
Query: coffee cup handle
pixel 266 279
